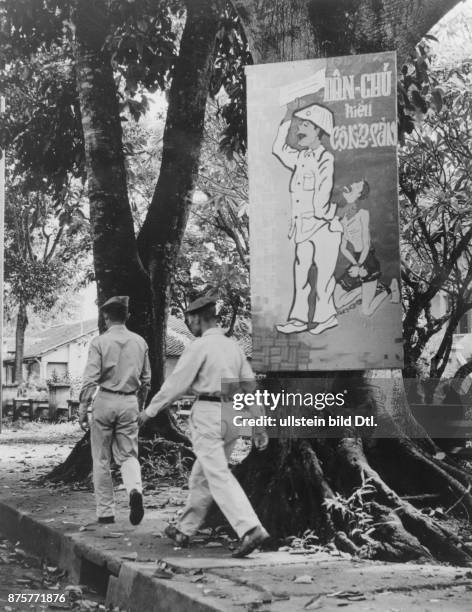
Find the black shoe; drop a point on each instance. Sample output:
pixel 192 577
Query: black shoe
pixel 179 538
pixel 106 519
pixel 136 512
pixel 250 541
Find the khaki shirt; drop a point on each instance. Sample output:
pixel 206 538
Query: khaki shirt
pixel 118 360
pixel 311 185
pixel 201 368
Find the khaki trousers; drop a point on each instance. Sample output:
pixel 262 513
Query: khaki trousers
pixel 214 437
pixel 322 251
pixel 114 428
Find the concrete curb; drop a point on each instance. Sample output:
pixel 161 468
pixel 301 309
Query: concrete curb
pixel 136 590
pixel 130 586
pixel 40 539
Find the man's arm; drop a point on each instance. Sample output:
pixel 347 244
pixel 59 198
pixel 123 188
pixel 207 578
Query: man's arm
pixel 178 382
pixel 280 149
pixel 145 379
pixel 90 381
pixel 322 207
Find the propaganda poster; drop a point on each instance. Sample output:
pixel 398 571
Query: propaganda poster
pixel 325 262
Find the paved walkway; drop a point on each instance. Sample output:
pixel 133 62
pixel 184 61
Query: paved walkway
pixel 142 572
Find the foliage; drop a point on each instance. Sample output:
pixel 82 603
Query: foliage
pixel 215 252
pixel 232 54
pixel 142 143
pixel 418 89
pixel 143 42
pixel 43 246
pixel 353 513
pixel 436 215
pixel 454 35
pixel 42 124
pixel 420 86
pixel 34 388
pixel 163 459
pixel 41 127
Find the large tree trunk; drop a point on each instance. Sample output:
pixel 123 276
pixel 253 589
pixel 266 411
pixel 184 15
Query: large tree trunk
pixel 118 269
pixel 295 484
pixel 278 30
pixel 300 484
pixel 162 232
pixel 21 325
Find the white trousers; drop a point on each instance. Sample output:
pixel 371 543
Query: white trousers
pixel 114 429
pixel 321 250
pixel 214 437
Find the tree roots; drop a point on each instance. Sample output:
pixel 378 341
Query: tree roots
pixel 331 486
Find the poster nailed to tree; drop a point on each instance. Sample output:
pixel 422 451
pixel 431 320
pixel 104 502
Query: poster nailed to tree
pixel 325 261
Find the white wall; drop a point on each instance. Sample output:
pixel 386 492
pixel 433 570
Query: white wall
pixel 74 354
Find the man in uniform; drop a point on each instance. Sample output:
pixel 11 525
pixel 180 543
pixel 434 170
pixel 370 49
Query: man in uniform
pixel 118 364
pixel 208 361
pixel 314 227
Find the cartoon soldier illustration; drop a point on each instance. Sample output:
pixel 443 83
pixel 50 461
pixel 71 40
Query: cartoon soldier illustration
pixel 314 226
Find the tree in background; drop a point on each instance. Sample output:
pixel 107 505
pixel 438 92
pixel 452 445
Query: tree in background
pixel 47 232
pixel 45 243
pixel 436 218
pixel 215 250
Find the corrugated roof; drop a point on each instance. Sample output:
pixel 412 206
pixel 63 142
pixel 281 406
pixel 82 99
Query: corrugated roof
pixel 48 339
pixel 40 342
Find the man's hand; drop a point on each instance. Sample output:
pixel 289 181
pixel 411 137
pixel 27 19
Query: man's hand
pixel 83 417
pixel 143 418
pixel 260 438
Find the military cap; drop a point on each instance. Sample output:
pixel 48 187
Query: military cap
pixel 123 300
pixel 319 115
pixel 200 303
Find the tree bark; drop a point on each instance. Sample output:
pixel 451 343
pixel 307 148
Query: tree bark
pixel 21 325
pixel 300 29
pixel 163 229
pixel 118 269
pixel 441 357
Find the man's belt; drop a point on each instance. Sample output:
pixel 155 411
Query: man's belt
pixel 209 398
pixel 117 392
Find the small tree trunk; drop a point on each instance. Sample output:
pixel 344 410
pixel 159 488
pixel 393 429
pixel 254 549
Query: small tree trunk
pixel 412 346
pixel 440 359
pixel 21 325
pixel 162 232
